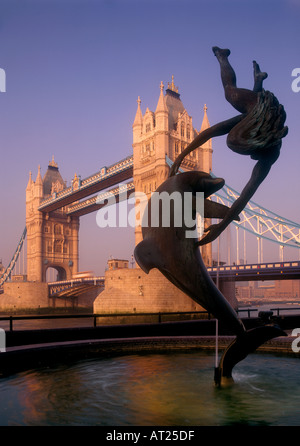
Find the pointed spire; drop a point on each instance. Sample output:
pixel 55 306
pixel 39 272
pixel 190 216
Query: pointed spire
pixel 53 163
pixel 206 148
pixel 138 120
pixel 38 185
pixel 171 86
pixel 205 121
pixel 161 104
pixel 29 181
pixel 39 177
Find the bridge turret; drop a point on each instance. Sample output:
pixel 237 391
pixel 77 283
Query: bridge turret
pixel 163 135
pixel 52 238
pixel 206 149
pixel 138 123
pixel 161 112
pixel 38 186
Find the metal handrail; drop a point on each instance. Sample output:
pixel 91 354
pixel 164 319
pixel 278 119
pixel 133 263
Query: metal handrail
pixel 12 318
pixel 94 316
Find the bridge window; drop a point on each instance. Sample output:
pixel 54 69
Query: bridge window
pixel 57 229
pixel 46 229
pixel 57 247
pixel 182 129
pixel 148 127
pixel 188 132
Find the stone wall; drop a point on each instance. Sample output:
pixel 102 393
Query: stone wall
pixel 133 291
pixel 24 296
pixel 33 296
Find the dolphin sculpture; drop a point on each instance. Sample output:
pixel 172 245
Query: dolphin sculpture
pixel 179 259
pixel 257 132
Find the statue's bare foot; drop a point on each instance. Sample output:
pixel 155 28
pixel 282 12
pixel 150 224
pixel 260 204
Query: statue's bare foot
pixel 220 53
pixel 259 77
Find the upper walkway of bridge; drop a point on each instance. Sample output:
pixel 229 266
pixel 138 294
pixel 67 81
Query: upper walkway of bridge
pixel 105 178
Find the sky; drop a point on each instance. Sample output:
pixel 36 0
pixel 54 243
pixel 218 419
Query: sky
pixel 75 68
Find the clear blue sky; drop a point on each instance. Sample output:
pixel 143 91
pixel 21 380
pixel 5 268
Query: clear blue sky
pixel 75 69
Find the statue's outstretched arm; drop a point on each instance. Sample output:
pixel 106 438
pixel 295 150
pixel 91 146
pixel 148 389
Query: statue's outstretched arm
pixel 222 128
pixel 259 173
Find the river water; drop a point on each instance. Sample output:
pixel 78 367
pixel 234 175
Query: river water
pixel 173 389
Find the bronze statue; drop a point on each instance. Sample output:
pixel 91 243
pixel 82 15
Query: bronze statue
pixel 257 132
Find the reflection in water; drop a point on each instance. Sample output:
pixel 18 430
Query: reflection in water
pixel 154 389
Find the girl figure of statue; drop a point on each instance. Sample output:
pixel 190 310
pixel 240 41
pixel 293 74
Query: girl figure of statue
pixel 257 132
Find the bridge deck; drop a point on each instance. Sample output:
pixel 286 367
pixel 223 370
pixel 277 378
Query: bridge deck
pixel 74 287
pixel 258 271
pixel 253 272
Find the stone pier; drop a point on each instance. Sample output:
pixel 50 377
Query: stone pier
pixel 132 291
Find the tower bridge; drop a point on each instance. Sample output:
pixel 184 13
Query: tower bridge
pixel 53 210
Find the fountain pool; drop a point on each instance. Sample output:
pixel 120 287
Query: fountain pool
pixel 165 389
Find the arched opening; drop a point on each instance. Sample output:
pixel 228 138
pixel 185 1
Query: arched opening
pixel 55 274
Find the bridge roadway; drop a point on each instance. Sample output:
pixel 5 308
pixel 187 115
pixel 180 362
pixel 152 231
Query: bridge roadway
pixel 74 287
pixel 253 272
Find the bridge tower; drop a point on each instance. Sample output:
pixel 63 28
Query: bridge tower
pixel 52 238
pixel 162 135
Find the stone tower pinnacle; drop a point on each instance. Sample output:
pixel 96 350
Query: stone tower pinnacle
pixel 138 122
pixel 206 149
